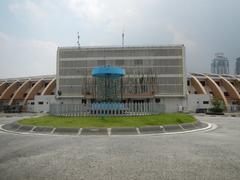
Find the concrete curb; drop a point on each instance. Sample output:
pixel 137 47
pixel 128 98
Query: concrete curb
pixel 209 127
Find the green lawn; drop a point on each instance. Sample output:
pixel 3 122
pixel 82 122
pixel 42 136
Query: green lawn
pixel 123 121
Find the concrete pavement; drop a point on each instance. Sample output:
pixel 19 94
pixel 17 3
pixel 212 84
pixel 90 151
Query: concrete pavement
pixel 200 155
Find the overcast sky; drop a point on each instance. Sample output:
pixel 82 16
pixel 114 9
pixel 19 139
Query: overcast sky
pixel 31 31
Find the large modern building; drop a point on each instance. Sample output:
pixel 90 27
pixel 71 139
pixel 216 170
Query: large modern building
pixel 152 73
pixel 22 94
pixel 237 69
pixel 142 79
pixel 220 64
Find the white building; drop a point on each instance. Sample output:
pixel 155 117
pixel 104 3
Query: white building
pixel 153 73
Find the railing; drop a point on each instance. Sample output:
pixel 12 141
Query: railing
pixel 107 109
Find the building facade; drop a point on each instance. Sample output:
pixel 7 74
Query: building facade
pixel 153 78
pixel 152 73
pixel 237 68
pixel 35 94
pixel 220 64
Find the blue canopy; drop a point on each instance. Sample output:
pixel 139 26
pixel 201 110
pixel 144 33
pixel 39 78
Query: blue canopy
pixel 108 71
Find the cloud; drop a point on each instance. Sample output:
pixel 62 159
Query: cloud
pixel 194 50
pixel 88 9
pixel 180 37
pixel 26 57
pixel 29 9
pixel 112 14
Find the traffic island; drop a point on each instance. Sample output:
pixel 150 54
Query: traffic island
pixel 146 130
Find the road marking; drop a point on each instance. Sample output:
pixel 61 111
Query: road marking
pixel 162 128
pixel 194 125
pixel 138 131
pixel 34 127
pixel 181 127
pixel 18 128
pixel 109 131
pixel 80 131
pixel 53 131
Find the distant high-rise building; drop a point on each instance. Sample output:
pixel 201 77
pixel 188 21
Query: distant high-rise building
pixel 237 70
pixel 220 64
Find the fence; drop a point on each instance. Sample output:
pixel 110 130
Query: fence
pixel 107 109
pixel 233 108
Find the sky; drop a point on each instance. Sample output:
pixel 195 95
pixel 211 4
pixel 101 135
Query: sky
pixel 31 30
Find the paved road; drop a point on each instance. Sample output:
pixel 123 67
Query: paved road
pixel 201 155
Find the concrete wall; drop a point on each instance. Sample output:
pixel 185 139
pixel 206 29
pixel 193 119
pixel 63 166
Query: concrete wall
pixel 198 101
pixel 42 103
pixel 173 104
pixel 30 105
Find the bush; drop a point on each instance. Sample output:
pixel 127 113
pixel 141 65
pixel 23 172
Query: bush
pixel 218 106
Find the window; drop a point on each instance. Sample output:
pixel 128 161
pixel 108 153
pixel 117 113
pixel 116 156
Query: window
pixel 226 94
pixel 234 102
pixel 32 103
pixel 205 102
pixel 157 100
pixel 40 102
pixel 203 83
pixel 84 101
pixel 188 83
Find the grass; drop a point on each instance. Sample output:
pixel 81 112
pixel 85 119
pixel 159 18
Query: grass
pixel 110 121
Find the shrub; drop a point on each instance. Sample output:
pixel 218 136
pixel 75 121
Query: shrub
pixel 218 106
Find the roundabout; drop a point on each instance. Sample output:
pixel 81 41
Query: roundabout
pixel 17 128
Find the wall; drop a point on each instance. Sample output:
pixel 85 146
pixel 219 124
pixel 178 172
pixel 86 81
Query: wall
pixel 172 104
pixel 30 105
pixel 158 70
pixel 195 101
pixel 42 103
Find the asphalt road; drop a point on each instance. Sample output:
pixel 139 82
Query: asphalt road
pixel 200 155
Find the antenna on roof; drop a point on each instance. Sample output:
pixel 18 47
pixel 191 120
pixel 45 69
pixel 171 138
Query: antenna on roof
pixel 78 37
pixel 123 38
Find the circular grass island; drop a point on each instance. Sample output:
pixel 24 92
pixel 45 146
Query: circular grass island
pixel 108 121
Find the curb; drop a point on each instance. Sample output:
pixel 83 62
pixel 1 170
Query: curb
pixel 96 132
